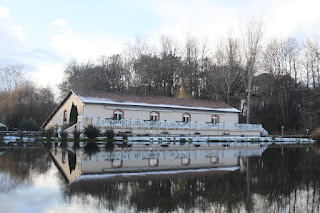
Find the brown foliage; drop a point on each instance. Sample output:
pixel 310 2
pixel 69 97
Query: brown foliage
pixel 24 102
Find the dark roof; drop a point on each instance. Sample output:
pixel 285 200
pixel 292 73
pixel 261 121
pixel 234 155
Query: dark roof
pixel 158 101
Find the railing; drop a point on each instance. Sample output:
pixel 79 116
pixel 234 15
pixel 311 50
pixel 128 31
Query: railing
pixel 22 133
pixel 175 125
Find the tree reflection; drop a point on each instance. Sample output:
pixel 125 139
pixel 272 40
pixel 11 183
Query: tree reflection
pixel 280 177
pixel 17 166
pixel 271 183
pixel 161 194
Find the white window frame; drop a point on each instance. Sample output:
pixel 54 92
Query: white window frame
pixel 118 115
pixel 186 118
pixel 154 116
pixel 214 119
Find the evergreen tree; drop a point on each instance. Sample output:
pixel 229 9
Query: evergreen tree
pixel 73 114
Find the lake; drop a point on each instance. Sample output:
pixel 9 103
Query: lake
pixel 274 179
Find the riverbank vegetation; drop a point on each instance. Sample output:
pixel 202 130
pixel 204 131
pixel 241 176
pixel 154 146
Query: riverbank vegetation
pixel 23 104
pixel 272 81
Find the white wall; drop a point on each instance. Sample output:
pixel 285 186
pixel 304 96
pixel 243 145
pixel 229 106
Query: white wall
pixel 58 117
pixel 134 113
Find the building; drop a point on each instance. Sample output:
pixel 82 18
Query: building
pixel 151 115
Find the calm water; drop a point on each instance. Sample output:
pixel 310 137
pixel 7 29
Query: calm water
pixel 281 180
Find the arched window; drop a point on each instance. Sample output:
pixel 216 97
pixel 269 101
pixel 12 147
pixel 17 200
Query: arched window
pixel 215 119
pixel 154 116
pixel 118 114
pixel 186 117
pixel 64 116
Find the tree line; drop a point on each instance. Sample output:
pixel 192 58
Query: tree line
pixel 272 81
pixel 275 83
pixel 23 104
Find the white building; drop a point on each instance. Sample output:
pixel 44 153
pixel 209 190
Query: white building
pixel 150 115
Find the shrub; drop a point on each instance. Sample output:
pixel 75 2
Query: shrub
pixel 49 133
pixel 109 134
pixel 48 145
pixel 64 135
pixel 183 140
pixel 28 125
pixel 91 148
pixel 76 135
pixel 109 145
pixel 91 132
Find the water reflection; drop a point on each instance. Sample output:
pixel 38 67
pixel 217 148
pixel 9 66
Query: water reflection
pixel 19 165
pixel 72 165
pixel 268 183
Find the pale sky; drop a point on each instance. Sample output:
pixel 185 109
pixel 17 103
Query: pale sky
pixel 44 35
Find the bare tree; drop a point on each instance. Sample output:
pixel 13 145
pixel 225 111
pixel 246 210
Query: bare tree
pixel 24 102
pixel 169 46
pixel 11 77
pixel 280 58
pixel 228 60
pixel 311 61
pixel 190 72
pixel 252 33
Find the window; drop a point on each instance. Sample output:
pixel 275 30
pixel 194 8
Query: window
pixel 215 119
pixel 65 117
pixel 154 116
pixel 118 114
pixel 186 117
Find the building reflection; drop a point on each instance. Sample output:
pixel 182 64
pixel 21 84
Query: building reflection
pixel 72 165
pixel 256 187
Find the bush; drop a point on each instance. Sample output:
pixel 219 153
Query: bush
pixel 91 132
pixel 109 134
pixel 183 140
pixel 28 125
pixel 64 135
pixel 91 148
pixel 76 135
pixel 49 133
pixel 109 145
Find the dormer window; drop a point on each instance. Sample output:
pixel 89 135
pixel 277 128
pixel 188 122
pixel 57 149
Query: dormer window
pixel 154 116
pixel 215 119
pixel 186 117
pixel 118 115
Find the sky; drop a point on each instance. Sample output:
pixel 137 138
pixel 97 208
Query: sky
pixel 44 35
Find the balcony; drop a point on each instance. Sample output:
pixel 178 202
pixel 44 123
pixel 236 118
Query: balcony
pixel 148 124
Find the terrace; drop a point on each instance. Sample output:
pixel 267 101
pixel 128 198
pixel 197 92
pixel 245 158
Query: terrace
pixel 152 124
